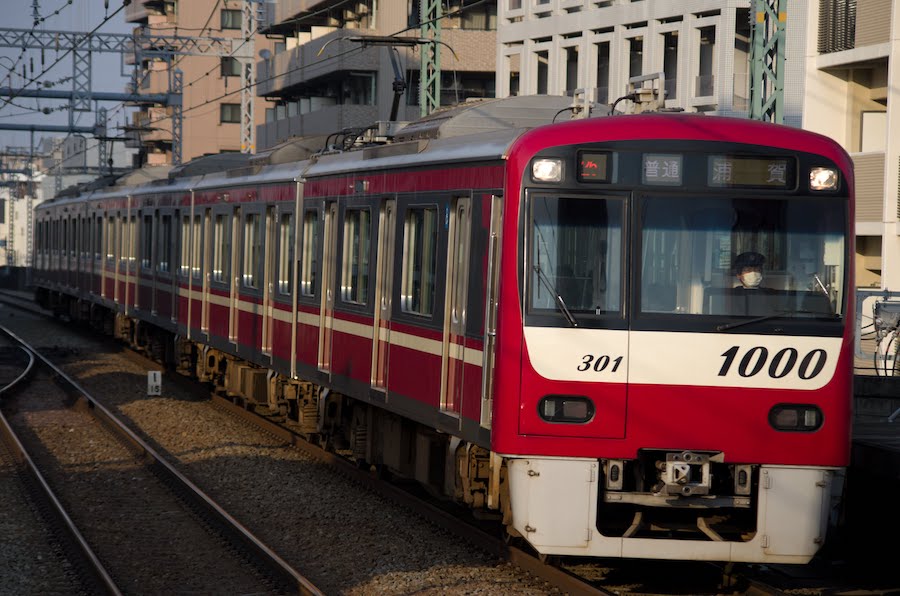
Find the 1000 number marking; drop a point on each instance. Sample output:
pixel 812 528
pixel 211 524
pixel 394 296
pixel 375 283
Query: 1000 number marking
pixel 780 366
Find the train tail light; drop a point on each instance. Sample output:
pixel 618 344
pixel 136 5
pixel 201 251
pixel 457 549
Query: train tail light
pixel 566 409
pixel 796 417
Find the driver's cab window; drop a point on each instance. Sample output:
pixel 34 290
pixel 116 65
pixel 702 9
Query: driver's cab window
pixel 752 257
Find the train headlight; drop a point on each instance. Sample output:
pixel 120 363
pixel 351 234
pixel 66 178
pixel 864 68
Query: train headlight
pixel 546 170
pixel 796 417
pixel 823 179
pixel 566 409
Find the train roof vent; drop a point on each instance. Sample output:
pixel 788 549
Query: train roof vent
pixel 209 164
pixel 522 111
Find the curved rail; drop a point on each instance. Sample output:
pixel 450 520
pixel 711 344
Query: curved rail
pixel 236 531
pixel 91 566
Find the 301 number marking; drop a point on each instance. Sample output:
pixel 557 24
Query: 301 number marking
pixel 781 365
pixel 599 363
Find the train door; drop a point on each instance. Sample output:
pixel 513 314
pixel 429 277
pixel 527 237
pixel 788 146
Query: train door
pixel 490 311
pixel 383 291
pixel 453 354
pixel 268 286
pixel 234 299
pixel 326 312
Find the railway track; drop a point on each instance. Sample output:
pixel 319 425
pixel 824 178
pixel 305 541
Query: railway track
pixel 137 521
pixel 568 576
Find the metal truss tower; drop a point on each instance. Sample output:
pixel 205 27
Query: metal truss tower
pixel 767 31
pixel 83 45
pixel 430 77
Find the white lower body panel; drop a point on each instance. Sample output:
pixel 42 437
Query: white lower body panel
pixel 554 506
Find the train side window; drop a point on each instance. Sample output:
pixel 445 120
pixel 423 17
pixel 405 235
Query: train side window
pixel 286 253
pixel 195 249
pixel 98 238
pixel 355 270
pixel 132 241
pixel 111 238
pixel 165 244
pixel 221 248
pixel 146 241
pixel 184 267
pixel 252 249
pixel 309 266
pixel 419 260
pixel 73 236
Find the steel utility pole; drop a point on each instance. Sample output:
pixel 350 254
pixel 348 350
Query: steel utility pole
pixel 767 27
pixel 430 73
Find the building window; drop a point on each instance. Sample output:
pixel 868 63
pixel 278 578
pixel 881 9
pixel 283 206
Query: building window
pixel 230 113
pixel 231 19
pixel 571 69
pixel 635 56
pixel 603 72
pixel 230 67
pixel 419 261
pixel 670 63
pixel 706 77
pixel 543 71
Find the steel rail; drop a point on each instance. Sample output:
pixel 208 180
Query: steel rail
pixel 226 523
pixel 91 566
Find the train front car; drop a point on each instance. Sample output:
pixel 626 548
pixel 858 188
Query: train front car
pixel 648 404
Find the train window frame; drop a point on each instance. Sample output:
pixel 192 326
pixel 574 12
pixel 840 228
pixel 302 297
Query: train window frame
pixel 252 249
pixel 284 275
pixel 164 243
pixel 196 247
pixel 309 252
pixel 146 240
pixel 98 238
pixel 783 306
pixel 110 238
pixel 412 297
pixel 356 252
pixel 184 267
pixel 220 267
pixel 612 267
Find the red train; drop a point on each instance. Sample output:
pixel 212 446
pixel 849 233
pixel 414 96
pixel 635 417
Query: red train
pixel 539 319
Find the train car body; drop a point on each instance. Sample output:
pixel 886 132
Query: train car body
pixel 533 318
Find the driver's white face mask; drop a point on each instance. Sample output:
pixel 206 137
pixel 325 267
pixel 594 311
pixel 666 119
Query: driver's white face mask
pixel 751 279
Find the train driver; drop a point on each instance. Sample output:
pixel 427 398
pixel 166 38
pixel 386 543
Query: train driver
pixel 748 269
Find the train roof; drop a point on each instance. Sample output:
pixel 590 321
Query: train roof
pixel 474 131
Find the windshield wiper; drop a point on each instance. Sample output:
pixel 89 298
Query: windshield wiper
pixel 774 315
pixel 559 300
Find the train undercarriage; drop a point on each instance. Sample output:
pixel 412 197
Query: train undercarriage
pixel 444 465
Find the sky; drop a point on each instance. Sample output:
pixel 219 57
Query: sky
pixel 106 71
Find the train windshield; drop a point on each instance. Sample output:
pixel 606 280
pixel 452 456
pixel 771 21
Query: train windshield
pixel 753 257
pixel 576 256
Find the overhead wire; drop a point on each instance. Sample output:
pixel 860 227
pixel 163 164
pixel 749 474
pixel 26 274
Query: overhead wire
pixel 285 73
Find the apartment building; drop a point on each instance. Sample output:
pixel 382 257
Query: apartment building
pixel 840 61
pixel 211 81
pixel 328 73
